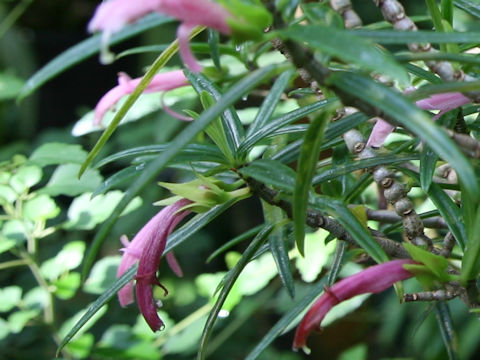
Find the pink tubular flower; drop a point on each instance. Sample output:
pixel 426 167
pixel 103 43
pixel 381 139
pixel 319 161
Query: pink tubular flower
pixel 112 15
pixel 443 102
pixel 371 280
pixel 148 247
pixel 161 82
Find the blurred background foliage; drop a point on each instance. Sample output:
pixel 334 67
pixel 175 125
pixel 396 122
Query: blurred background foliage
pixel 41 250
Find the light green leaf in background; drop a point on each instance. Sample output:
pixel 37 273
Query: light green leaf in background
pixel 67 259
pixel 316 256
pixel 65 181
pixel 103 274
pixel 10 86
pixel 56 153
pixel 10 296
pixel 25 178
pixel 40 208
pixel 363 53
pixel 85 213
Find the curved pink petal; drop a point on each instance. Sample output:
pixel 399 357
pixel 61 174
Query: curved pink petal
pixel 150 260
pixel 443 102
pixel 198 12
pixel 371 280
pixel 183 34
pixel 161 82
pixel 380 131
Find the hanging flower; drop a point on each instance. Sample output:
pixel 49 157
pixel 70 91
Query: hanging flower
pixel 371 280
pixel 112 15
pixel 147 247
pixel 161 82
pixel 443 102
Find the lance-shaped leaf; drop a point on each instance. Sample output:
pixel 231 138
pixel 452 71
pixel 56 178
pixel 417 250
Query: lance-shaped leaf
pixel 361 52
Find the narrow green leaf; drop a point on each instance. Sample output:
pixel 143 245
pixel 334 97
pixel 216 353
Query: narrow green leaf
pixel 468 6
pixel 391 37
pixel 428 161
pixel 447 10
pixel 450 212
pixel 191 152
pixel 188 134
pixel 281 121
pixel 271 100
pixel 436 18
pixel 85 49
pixel 120 177
pixel 278 247
pixel 346 218
pixel 423 74
pixel 235 241
pixel 411 117
pixel 359 51
pixel 471 257
pixel 228 283
pixel 435 263
pixel 337 262
pixel 307 162
pixel 234 132
pixel 427 90
pixel 426 56
pixel 445 324
pixel 213 42
pixel 340 170
pixel 271 172
pixel 97 305
pixel 287 319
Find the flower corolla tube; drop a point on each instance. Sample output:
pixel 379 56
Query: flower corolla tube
pixel 443 102
pixel 161 82
pixel 371 280
pixel 147 247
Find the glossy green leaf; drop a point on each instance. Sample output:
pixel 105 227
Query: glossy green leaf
pixel 350 222
pixel 120 177
pixel 188 134
pixel 277 242
pixel 360 51
pixel 428 90
pixel 428 161
pixel 445 324
pixel 235 241
pixel 471 257
pixel 435 263
pixel 450 212
pixel 228 283
pixel 307 163
pixel 281 121
pixel 414 119
pixel 191 152
pixel 337 262
pixel 347 168
pixel 426 56
pixel 234 132
pixel 271 172
pixel 268 105
pixel 469 6
pixel 287 319
pixel 84 50
pixel 422 36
